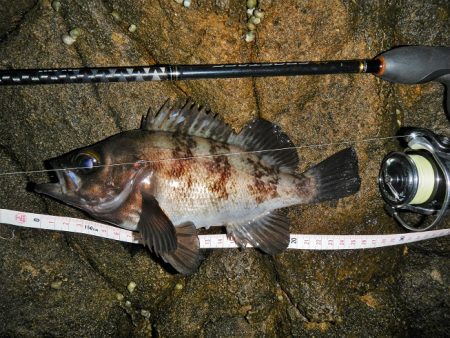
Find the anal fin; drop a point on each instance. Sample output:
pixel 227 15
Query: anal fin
pixel 268 232
pixel 186 258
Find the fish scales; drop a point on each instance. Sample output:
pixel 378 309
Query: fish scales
pixel 186 169
pixel 208 190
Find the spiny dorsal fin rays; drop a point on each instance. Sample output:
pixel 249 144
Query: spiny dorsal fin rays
pixel 188 118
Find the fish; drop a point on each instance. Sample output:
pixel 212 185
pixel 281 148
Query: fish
pixel 186 169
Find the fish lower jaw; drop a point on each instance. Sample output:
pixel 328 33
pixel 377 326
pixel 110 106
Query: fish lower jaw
pixel 58 192
pixel 51 189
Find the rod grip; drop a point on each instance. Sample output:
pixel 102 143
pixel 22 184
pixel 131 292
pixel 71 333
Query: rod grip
pixel 417 64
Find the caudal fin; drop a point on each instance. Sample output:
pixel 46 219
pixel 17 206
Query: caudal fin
pixel 335 177
pixel 186 258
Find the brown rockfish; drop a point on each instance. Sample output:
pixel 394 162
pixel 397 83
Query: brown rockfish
pixel 185 169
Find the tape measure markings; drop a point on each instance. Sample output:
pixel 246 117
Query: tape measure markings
pixel 297 241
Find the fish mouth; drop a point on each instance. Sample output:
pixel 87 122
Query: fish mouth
pixel 65 187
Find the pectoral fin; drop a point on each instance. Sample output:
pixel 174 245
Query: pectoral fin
pixel 156 229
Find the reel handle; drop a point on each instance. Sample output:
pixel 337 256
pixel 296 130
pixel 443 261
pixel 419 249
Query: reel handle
pixel 417 64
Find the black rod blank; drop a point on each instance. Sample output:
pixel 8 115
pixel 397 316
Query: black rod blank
pixel 183 72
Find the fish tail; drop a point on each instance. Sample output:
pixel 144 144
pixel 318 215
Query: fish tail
pixel 335 177
pixel 186 258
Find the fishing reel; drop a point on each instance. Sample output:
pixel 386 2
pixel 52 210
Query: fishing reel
pixel 417 180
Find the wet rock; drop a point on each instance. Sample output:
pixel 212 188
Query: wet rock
pixel 241 291
pixel 12 13
pixel 48 277
pixel 422 280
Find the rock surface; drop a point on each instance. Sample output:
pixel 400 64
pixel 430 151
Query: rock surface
pixel 60 284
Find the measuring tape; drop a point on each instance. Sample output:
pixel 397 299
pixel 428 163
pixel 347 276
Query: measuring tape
pixel 297 241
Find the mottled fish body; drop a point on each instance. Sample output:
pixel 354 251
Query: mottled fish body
pixel 186 169
pixel 200 185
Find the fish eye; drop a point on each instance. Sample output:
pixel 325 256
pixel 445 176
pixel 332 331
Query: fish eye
pixel 87 161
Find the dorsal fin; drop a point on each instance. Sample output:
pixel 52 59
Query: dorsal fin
pixel 259 135
pixel 186 117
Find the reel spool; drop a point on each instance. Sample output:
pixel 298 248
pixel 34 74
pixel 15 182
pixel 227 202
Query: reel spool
pixel 418 179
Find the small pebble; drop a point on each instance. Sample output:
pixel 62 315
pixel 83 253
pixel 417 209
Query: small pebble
pixel 132 28
pixel 250 12
pixel 254 20
pixel 258 13
pixel 56 285
pixel 74 33
pixel 251 26
pixel 405 250
pixel 128 303
pixel 187 3
pixel 280 298
pixel 250 36
pixel 131 286
pixel 251 3
pixel 56 5
pixel 119 297
pixel 145 313
pixel 178 286
pixel 68 40
pixel 115 15
pixel 179 1
pixel 436 275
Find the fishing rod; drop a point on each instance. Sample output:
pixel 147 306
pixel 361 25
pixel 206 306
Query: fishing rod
pixel 401 173
pixel 407 64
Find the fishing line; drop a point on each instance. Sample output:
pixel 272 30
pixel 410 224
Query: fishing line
pixel 204 156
